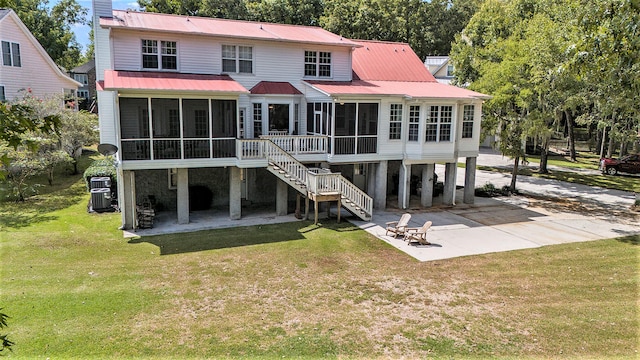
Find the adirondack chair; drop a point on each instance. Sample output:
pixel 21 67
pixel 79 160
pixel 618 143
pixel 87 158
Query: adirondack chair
pixel 398 227
pixel 418 235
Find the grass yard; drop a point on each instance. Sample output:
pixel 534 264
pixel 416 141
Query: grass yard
pixel 75 288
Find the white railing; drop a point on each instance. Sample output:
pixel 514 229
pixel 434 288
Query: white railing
pixel 286 162
pixel 301 144
pixel 317 181
pixel 320 183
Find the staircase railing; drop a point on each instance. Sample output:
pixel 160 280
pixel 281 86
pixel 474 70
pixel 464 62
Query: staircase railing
pixel 316 182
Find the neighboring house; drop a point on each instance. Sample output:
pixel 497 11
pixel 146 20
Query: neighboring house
pixel 25 66
pixel 440 68
pixel 234 114
pixel 85 74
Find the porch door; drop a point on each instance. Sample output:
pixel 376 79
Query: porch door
pixel 278 119
pixel 360 175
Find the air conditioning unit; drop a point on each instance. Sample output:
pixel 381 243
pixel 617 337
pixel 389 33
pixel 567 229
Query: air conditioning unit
pixel 100 182
pixel 101 199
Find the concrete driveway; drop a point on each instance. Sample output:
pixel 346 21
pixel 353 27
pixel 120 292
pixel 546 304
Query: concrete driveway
pixel 513 223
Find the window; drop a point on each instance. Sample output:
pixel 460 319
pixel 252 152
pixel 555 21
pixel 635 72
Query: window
pixel 83 94
pixel 467 121
pixel 414 122
pixel 257 120
pixel 317 64
pixel 237 59
pixel 2 96
pixel 439 123
pixel 395 121
pixel 165 59
pixel 11 54
pixel 450 70
pixel 81 78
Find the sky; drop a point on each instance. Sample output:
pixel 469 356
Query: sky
pixel 82 31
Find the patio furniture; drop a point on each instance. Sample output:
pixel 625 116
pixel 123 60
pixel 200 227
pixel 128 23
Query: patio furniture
pixel 418 235
pixel 398 227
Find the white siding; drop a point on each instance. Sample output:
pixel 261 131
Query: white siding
pixel 36 73
pixel 108 119
pixel 272 61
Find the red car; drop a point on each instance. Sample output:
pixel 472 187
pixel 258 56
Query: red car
pixel 628 164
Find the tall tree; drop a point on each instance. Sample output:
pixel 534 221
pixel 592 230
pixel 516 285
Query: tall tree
pixel 53 27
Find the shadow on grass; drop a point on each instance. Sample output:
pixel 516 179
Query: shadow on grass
pixel 632 240
pixel 38 208
pixel 180 243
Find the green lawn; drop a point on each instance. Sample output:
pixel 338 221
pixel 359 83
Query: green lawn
pixel 75 288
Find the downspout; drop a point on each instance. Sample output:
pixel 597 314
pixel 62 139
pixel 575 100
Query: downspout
pixel 404 157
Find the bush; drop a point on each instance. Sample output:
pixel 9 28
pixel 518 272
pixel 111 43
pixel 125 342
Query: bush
pixel 490 190
pixel 100 168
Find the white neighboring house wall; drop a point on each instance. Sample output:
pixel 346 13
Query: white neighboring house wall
pixel 37 71
pixel 104 61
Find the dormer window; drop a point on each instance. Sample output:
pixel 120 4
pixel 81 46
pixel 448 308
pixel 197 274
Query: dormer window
pixel 165 58
pixel 317 64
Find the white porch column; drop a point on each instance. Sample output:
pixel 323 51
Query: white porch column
pixel 449 195
pixel 404 187
pixel 183 196
pixel 282 192
pixel 235 193
pixel 380 192
pixel 127 199
pixel 470 180
pixel 426 196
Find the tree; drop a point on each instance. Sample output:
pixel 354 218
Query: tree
pixel 5 343
pixel 52 27
pixel 78 129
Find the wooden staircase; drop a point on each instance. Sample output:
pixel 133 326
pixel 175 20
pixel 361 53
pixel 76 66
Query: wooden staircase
pixel 317 183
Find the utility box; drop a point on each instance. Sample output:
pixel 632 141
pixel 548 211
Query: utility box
pixel 100 182
pixel 101 199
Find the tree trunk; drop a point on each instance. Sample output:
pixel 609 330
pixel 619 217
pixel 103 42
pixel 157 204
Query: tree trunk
pixel 544 157
pixel 610 147
pixel 514 175
pixel 602 140
pixel 571 135
pixel 75 166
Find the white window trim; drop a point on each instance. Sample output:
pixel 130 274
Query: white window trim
pixel 317 64
pixel 466 120
pixel 3 95
pixel 237 59
pixel 12 55
pixel 396 119
pixel 159 55
pixel 439 124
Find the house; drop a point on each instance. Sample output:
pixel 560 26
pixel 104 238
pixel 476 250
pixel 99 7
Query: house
pixel 85 74
pixel 25 65
pixel 237 114
pixel 440 68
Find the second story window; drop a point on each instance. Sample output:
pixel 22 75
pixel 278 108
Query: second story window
pixel 81 78
pixel 317 64
pixel 414 122
pixel 164 58
pixel 467 121
pixel 395 122
pixel 439 122
pixel 11 54
pixel 237 59
pixel 450 70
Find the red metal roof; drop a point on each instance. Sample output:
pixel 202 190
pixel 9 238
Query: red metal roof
pixel 142 80
pixel 274 88
pixel 222 27
pixel 413 89
pixel 377 60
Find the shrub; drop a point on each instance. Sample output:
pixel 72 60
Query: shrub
pixel 104 167
pixel 490 190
